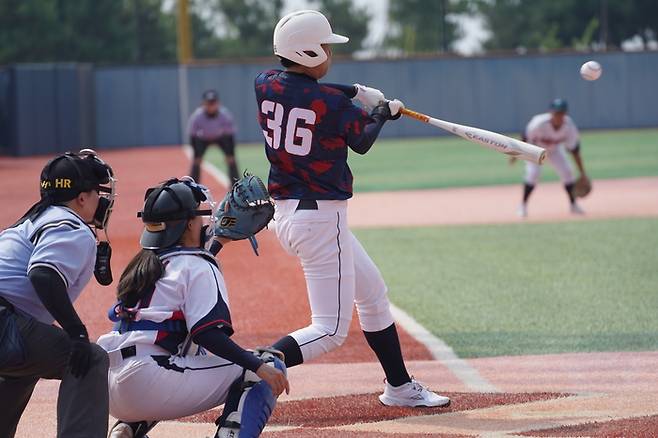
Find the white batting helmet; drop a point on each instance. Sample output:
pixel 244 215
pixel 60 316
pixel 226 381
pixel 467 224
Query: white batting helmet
pixel 298 37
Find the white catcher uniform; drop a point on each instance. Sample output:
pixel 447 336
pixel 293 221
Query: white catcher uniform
pixel 541 132
pixel 167 377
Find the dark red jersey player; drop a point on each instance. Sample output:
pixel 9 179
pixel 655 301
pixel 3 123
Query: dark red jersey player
pixel 309 128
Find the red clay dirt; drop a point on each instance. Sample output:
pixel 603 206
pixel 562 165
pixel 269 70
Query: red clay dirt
pixel 365 408
pixel 638 427
pixel 268 300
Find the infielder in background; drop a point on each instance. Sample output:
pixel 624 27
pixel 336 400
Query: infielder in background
pixel 173 299
pixel 46 260
pixel 554 131
pixel 309 128
pixel 209 124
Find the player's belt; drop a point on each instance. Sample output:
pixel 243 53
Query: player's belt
pixel 307 204
pixel 118 356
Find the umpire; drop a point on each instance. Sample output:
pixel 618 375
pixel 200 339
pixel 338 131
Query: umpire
pixel 209 124
pixel 46 260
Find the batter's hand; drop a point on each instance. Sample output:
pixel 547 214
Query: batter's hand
pixel 369 97
pixel 275 378
pixel 512 160
pixel 395 106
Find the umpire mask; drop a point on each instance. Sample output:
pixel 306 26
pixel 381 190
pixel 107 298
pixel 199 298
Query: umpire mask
pixel 106 188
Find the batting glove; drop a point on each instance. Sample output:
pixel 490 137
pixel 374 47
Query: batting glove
pixel 395 106
pixel 369 97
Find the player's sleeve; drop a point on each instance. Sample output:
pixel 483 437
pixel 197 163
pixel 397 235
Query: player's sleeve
pixel 203 305
pixel 347 90
pixel 359 129
pixel 66 247
pixel 572 142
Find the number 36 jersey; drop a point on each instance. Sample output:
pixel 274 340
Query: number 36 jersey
pixel 308 128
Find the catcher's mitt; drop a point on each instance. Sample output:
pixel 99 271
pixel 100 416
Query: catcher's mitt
pixel 582 187
pixel 245 210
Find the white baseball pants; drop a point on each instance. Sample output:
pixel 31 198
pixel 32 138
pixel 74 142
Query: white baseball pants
pixel 142 388
pixel 558 158
pixel 338 273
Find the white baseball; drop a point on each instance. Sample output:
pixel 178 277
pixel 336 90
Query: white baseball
pixel 591 70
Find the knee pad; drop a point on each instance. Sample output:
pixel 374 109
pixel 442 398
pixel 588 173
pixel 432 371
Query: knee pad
pixel 250 401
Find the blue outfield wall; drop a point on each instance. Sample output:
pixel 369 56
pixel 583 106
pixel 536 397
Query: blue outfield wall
pixel 137 106
pixel 111 107
pixel 48 108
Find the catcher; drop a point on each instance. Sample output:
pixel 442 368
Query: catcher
pixel 555 131
pixel 173 308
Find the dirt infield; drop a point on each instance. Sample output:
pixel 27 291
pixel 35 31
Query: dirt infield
pixel 593 394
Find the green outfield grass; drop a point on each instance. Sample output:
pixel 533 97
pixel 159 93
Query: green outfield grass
pixel 526 288
pixel 448 161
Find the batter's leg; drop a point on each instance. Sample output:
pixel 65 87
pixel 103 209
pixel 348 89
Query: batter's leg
pixel 323 244
pixel 375 316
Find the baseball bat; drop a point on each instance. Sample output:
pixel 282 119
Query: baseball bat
pixel 491 140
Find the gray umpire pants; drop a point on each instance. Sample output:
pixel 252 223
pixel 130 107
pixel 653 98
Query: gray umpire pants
pixel 82 404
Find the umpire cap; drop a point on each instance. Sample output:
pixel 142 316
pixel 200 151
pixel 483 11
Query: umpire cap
pixel 210 96
pixel 67 175
pixel 167 209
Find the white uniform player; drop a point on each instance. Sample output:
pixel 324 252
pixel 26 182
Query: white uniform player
pixel 173 307
pixel 309 128
pixel 556 132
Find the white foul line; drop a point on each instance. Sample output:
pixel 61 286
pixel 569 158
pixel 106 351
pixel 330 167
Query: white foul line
pixel 442 352
pixel 437 348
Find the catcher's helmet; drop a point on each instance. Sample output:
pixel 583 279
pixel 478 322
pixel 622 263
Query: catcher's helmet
pixel 299 35
pixel 167 209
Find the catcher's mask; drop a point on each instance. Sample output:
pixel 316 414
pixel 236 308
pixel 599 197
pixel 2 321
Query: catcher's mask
pixel 167 209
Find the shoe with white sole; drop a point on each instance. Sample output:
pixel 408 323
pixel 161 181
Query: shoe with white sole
pixel 522 210
pixel 575 209
pixel 412 394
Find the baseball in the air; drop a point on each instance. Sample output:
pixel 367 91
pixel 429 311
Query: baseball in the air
pixel 591 70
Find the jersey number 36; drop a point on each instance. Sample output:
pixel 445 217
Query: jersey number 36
pixel 297 138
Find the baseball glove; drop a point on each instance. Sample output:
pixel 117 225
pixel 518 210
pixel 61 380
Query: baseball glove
pixel 245 210
pixel 582 187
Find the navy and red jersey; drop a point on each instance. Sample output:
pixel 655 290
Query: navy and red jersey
pixel 308 128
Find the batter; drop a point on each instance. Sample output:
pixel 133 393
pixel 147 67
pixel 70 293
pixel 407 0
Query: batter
pixel 309 128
